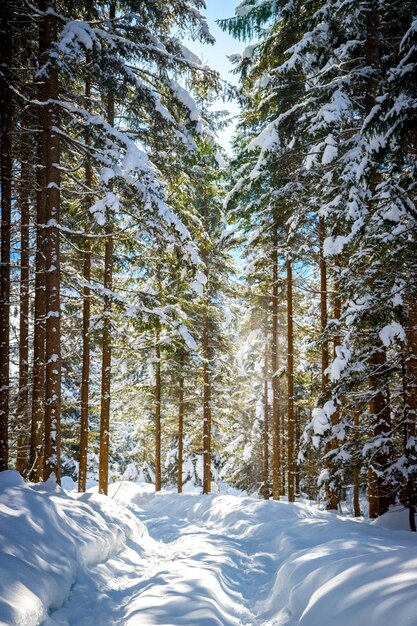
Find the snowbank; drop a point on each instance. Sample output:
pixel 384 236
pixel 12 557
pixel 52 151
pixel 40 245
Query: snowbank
pixel 47 537
pixel 287 564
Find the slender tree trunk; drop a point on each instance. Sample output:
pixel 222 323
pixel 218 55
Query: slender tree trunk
pixel 379 497
pixel 103 480
pixel 276 425
pixel 290 373
pixel 38 374
pixel 106 363
pixel 181 408
pixel 85 376
pixel 372 50
pixel 158 482
pixel 22 456
pixel 411 408
pixel 297 450
pixel 332 497
pixel 49 31
pixel 356 469
pixel 6 205
pixel 379 500
pixel 206 406
pixel 265 456
pixel 323 314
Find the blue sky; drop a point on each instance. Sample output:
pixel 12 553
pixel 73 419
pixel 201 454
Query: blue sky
pixel 216 56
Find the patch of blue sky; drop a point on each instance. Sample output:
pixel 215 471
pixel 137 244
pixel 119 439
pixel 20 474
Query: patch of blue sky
pixel 216 56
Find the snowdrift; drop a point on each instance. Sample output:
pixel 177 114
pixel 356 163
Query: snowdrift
pixel 47 537
pixel 293 564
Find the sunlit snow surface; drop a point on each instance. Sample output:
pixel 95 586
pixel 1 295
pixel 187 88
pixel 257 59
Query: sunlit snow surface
pixel 223 560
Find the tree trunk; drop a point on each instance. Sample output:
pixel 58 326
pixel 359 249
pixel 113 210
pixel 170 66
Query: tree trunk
pixel 265 456
pixel 323 314
pixel 356 469
pixel 6 205
pixel 332 497
pixel 22 455
pixel 379 497
pixel 290 373
pixel 372 51
pixel 379 500
pixel 297 450
pixel 49 31
pixel 38 374
pixel 106 363
pixel 276 451
pixel 206 406
pixel 411 408
pixel 85 375
pixel 158 482
pixel 103 480
pixel 180 427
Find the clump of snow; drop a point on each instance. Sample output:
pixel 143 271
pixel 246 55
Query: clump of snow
pixel 244 8
pixel 198 283
pixel 320 421
pixel 391 332
pixel 397 518
pixel 330 150
pixel 343 355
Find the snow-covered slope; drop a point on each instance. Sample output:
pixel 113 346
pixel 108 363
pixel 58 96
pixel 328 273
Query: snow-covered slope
pixel 47 538
pixel 218 560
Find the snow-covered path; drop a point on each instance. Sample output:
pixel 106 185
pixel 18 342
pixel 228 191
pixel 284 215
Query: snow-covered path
pixel 137 559
pixel 188 573
pixel 230 561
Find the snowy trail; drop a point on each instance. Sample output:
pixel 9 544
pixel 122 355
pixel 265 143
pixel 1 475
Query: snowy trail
pixel 139 560
pixel 188 574
pixel 233 561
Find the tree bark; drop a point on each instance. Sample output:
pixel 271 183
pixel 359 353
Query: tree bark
pixel 158 482
pixel 290 373
pixel 323 314
pixel 356 469
pixel 22 455
pixel 38 374
pixel 297 450
pixel 411 408
pixel 106 363
pixel 276 462
pixel 85 375
pixel 206 406
pixel 379 500
pixel 332 497
pixel 378 490
pixel 265 455
pixel 49 31
pixel 181 408
pixel 330 494
pixel 6 206
pixel 103 480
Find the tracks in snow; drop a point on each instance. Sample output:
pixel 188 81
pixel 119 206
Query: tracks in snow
pixel 189 572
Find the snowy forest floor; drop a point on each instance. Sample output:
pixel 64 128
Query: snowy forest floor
pixel 221 560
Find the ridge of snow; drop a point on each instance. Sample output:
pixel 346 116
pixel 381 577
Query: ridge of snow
pixel 47 538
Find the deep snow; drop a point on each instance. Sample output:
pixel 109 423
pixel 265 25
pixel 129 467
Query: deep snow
pixel 223 560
